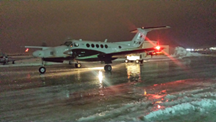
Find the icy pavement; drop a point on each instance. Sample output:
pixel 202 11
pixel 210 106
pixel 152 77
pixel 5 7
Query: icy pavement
pixel 175 90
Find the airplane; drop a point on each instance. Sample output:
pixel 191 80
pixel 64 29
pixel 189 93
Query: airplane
pixel 4 59
pixel 83 50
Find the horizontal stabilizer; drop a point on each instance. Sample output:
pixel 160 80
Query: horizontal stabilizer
pixel 151 28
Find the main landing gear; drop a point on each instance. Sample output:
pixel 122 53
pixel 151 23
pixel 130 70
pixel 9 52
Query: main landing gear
pixel 108 68
pixel 78 65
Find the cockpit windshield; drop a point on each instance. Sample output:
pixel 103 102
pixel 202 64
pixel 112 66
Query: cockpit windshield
pixel 68 43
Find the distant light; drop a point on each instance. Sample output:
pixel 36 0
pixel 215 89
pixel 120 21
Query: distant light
pixel 189 49
pixel 27 49
pixel 212 48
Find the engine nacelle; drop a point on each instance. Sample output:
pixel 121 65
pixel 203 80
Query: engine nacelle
pixel 68 52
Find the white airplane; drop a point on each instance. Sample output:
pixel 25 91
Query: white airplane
pixel 81 50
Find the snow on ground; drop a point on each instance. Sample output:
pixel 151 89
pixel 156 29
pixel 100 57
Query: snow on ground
pixel 195 101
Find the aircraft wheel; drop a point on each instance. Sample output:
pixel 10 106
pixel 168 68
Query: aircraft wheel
pixel 137 61
pixel 13 62
pixel 77 65
pixel 126 61
pixel 42 70
pixel 108 68
pixel 141 62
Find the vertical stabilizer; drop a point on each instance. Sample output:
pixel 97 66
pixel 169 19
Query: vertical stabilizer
pixel 141 33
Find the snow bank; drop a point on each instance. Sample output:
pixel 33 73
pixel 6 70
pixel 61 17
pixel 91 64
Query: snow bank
pixel 182 109
pixel 131 111
pixel 180 52
pixel 186 105
pixel 120 111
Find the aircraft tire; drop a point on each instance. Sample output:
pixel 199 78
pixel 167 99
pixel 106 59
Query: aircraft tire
pixel 137 61
pixel 70 63
pixel 42 70
pixel 126 61
pixel 78 65
pixel 13 62
pixel 108 68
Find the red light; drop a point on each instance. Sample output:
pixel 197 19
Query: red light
pixel 158 47
pixel 27 49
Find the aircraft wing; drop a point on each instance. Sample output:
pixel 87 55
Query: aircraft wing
pixel 134 51
pixel 39 47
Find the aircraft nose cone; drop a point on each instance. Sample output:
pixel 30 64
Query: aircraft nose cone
pixel 38 53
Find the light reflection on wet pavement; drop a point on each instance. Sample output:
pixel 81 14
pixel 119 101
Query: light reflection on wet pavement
pixel 65 93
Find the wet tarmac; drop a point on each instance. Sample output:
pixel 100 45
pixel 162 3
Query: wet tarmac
pixel 66 93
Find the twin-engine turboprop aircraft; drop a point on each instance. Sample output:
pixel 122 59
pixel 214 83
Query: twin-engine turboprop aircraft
pixel 82 50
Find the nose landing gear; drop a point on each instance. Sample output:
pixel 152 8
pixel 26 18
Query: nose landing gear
pixel 78 65
pixel 42 70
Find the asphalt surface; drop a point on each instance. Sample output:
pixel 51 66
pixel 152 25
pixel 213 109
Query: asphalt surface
pixel 66 93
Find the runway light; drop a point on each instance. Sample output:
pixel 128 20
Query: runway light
pixel 27 49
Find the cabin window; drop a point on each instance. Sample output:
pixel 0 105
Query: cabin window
pixel 76 44
pixel 97 45
pixel 92 45
pixel 87 45
pixel 106 46
pixel 101 46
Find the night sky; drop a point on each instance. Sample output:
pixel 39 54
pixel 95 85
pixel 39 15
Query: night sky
pixel 193 22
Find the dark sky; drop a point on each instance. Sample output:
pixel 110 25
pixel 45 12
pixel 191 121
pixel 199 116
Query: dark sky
pixel 193 22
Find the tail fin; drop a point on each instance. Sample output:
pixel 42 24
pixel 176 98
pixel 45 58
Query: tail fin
pixel 141 34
